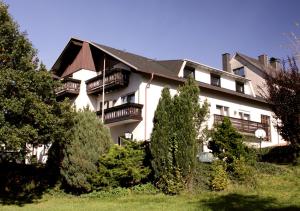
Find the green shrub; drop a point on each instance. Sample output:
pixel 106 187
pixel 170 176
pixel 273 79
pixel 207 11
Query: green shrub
pixel 226 142
pixel 147 188
pixel 109 193
pixel 123 166
pixel 90 139
pixel 269 168
pixel 171 182
pixel 201 180
pixel 279 154
pixel 242 172
pixel 219 180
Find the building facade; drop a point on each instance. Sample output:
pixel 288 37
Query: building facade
pixel 128 97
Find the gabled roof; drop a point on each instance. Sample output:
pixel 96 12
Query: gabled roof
pixel 254 62
pixel 140 63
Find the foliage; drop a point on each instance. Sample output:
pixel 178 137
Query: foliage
pixel 219 177
pixel 269 168
pixel 147 188
pixel 89 140
pixel 283 94
pixel 123 166
pixel 278 154
pixel 175 134
pixel 226 143
pixel 201 178
pixel 242 172
pixel 30 114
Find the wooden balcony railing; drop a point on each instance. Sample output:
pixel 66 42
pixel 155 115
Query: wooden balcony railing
pixel 245 126
pixel 128 111
pixel 69 86
pixel 114 79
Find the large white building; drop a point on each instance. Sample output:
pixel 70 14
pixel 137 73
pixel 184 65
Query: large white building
pixel 133 87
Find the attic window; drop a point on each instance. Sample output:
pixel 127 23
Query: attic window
pixel 188 72
pixel 239 71
pixel 239 87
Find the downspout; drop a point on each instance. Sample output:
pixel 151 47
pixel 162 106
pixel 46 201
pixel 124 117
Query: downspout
pixel 145 107
pixel 103 91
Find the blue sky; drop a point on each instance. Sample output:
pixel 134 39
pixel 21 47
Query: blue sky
pixel 199 30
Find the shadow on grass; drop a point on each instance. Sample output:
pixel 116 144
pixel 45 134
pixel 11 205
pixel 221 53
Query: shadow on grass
pixel 237 202
pixel 21 184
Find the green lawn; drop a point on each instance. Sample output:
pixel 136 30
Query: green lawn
pixel 274 192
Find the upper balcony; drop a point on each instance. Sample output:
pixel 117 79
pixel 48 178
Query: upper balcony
pixel 245 126
pixel 122 114
pixel 69 87
pixel 114 79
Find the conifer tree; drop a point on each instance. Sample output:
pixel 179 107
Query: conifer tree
pixel 90 139
pixel 226 142
pixel 177 124
pixel 29 113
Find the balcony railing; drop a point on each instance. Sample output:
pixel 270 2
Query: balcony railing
pixel 129 112
pixel 245 126
pixel 69 86
pixel 114 79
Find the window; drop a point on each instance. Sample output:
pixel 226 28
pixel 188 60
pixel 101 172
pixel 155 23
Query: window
pixel 130 98
pixel 188 71
pixel 215 80
pixel 244 115
pixel 239 87
pixel 239 71
pixel 222 110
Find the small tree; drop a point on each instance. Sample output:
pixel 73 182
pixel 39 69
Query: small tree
pixel 90 139
pixel 283 94
pixel 226 142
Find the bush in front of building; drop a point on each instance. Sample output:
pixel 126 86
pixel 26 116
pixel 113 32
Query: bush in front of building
pixel 123 166
pixel 89 140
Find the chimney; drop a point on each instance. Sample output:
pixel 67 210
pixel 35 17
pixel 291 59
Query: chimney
pixel 263 59
pixel 226 62
pixel 275 63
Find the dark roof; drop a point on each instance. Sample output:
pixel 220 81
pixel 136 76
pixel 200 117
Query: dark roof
pixel 141 63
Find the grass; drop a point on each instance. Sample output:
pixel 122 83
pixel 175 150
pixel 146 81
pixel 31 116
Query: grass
pixel 273 192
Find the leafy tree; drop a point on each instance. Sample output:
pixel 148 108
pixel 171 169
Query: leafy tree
pixel 177 123
pixel 89 140
pixel 283 94
pixel 226 142
pixel 29 113
pixel 123 166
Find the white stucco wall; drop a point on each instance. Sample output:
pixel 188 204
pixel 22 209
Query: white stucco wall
pixel 83 99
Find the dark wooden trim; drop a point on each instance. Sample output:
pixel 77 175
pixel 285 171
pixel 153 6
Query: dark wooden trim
pixel 122 112
pixel 243 125
pixel 70 86
pixel 114 79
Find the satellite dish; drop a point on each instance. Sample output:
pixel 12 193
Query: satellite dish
pixel 260 133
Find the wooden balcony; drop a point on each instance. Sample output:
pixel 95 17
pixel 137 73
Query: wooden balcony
pixel 70 87
pixel 125 113
pixel 114 79
pixel 245 126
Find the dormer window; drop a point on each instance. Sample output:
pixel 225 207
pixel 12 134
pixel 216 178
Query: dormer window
pixel 215 80
pixel 188 72
pixel 239 87
pixel 239 71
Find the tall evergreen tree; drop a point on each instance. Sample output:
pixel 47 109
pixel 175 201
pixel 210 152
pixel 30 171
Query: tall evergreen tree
pixel 29 113
pixel 177 124
pixel 89 140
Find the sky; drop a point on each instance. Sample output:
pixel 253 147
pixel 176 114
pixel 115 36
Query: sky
pixel 199 30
